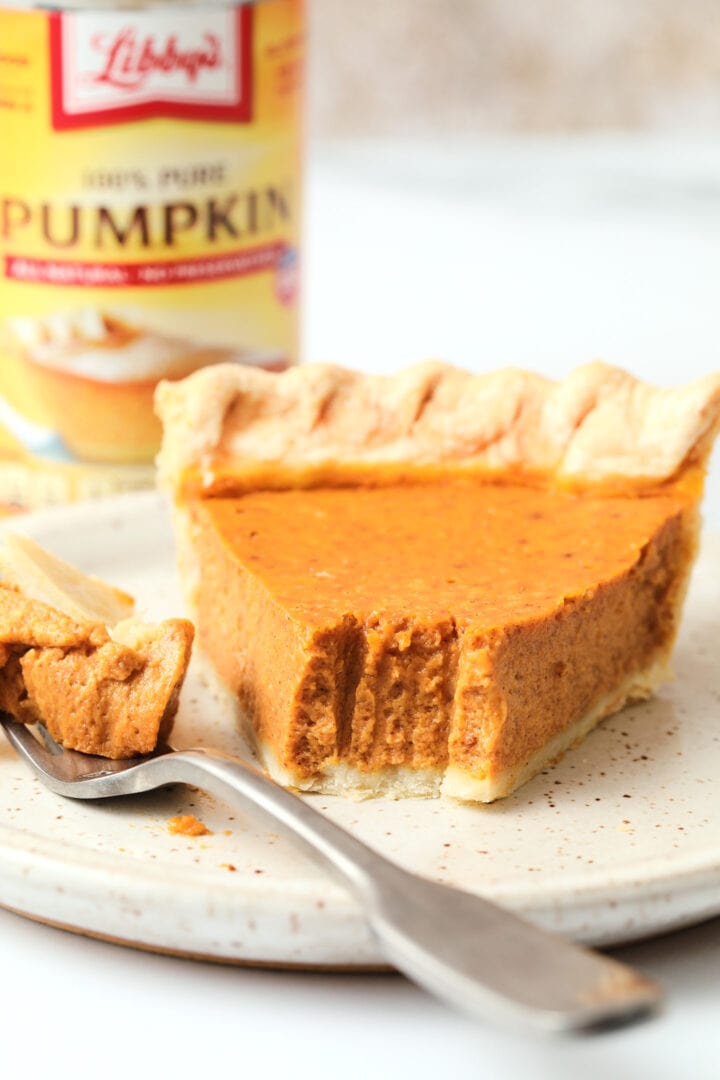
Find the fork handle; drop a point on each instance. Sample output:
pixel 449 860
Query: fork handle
pixel 477 956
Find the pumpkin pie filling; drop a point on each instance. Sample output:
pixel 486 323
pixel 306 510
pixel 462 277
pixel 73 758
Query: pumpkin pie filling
pixel 428 625
pixel 433 582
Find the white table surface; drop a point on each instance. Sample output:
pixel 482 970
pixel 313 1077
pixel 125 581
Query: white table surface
pixel 537 254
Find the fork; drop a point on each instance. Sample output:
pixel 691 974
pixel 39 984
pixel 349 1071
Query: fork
pixel 469 952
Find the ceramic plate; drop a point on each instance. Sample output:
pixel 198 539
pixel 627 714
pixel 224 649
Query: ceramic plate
pixel 619 841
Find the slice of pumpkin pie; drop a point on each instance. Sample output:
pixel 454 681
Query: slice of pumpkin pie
pixel 434 581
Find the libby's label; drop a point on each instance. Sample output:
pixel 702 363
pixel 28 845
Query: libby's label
pixel 114 66
pixel 149 225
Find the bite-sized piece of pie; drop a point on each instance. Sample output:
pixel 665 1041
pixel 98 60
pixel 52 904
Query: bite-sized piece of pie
pixel 433 581
pixel 74 658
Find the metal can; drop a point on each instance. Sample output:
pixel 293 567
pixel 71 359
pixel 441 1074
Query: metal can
pixel 150 197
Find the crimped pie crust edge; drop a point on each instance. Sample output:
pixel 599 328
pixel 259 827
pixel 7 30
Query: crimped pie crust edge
pixel 599 424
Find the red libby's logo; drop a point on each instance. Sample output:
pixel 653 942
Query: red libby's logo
pixel 111 67
pixel 129 60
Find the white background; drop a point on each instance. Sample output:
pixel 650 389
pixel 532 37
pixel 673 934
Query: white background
pixel 543 255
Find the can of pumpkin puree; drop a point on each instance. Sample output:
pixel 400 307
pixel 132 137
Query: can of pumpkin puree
pixel 150 186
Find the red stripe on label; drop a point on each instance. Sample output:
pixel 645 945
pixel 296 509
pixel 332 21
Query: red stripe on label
pixel 233 264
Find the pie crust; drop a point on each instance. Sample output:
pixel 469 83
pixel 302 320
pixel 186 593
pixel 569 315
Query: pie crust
pixel 226 428
pixel 599 434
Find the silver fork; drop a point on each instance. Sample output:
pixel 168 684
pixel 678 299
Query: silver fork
pixel 465 950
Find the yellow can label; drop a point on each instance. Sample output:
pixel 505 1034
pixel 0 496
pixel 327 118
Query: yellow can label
pixel 149 224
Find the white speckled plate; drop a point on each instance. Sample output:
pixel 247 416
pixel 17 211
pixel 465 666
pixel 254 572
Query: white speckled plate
pixel 619 841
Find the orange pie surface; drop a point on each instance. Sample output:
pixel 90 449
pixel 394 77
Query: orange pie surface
pixel 427 625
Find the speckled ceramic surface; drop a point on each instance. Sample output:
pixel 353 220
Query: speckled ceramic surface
pixel 621 840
